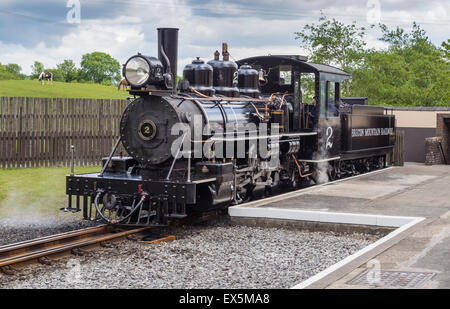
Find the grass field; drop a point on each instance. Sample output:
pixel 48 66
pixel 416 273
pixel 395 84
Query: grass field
pixel 38 191
pixel 32 88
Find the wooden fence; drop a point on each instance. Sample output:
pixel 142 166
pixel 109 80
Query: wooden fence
pixel 38 132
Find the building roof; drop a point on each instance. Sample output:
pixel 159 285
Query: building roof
pixel 420 108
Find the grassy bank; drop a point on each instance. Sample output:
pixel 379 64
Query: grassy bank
pixel 32 88
pixel 34 190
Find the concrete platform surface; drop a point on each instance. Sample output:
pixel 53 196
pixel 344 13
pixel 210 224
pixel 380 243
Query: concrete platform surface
pixel 413 190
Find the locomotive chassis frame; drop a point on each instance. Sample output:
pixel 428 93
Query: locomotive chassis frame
pixel 170 197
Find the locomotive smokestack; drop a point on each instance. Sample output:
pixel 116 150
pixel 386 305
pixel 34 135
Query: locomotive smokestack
pixel 168 49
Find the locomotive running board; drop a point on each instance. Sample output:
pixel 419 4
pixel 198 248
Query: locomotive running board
pixel 246 138
pixel 319 161
pixel 204 180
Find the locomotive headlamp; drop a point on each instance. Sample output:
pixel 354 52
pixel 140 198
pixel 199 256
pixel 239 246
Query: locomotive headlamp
pixel 140 71
pixel 137 71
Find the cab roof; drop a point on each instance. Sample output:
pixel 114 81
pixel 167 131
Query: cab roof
pixel 294 60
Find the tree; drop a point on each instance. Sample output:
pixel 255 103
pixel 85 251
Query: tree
pixel 445 48
pixel 4 74
pixel 100 68
pixel 399 39
pixel 11 71
pixel 58 75
pixel 333 42
pixel 68 69
pixel 411 71
pixel 36 69
pixel 13 68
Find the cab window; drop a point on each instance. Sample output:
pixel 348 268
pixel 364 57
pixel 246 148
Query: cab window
pixel 308 87
pixel 331 99
pixel 285 75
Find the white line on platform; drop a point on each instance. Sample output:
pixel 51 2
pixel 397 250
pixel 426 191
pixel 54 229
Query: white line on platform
pixel 402 224
pixel 349 259
pixel 319 216
pixel 251 210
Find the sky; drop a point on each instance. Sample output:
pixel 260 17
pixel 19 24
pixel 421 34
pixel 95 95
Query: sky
pixel 50 31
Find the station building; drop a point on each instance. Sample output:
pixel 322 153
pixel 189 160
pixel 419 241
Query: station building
pixel 420 123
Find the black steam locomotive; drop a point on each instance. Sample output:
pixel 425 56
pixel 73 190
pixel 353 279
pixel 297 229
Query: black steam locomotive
pixel 228 132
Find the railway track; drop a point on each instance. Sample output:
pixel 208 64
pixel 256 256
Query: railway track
pixel 41 248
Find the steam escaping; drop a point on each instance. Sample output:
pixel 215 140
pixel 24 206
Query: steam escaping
pixel 322 172
pixel 325 143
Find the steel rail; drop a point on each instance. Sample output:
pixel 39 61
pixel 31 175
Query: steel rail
pixel 42 247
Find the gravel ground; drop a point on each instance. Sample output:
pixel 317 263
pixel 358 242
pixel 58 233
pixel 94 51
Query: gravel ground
pixel 24 228
pixel 207 256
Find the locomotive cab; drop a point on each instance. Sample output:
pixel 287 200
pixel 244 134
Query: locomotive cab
pixel 312 94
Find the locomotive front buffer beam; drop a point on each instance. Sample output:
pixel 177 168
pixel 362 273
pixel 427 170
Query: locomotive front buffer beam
pixel 128 200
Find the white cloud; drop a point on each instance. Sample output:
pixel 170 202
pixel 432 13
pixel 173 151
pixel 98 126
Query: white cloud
pixel 269 29
pixel 91 35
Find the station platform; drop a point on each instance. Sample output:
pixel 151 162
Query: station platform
pixel 415 190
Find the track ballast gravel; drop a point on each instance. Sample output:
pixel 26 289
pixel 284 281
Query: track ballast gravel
pixel 216 255
pixel 16 229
